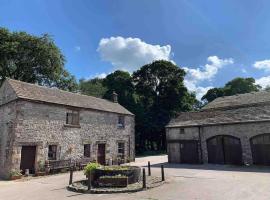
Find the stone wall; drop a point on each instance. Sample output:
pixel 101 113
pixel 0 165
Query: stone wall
pixel 7 123
pixel 45 124
pixel 244 131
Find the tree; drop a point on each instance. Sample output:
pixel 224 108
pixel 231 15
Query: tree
pixel 162 94
pixel 213 93
pixel 235 86
pixel 93 87
pixel 33 59
pixel 121 83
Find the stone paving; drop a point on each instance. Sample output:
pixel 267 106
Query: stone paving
pixel 183 182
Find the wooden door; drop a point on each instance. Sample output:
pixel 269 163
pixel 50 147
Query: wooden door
pixel 28 157
pixel 189 152
pixel 174 152
pixel 232 150
pixel 215 150
pixel 224 149
pixel 260 146
pixel 101 154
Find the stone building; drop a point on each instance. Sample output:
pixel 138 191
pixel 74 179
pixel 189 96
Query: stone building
pixel 229 130
pixel 39 123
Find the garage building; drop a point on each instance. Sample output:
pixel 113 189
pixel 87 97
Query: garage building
pixel 229 130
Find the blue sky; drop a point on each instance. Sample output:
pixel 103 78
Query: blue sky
pixel 214 41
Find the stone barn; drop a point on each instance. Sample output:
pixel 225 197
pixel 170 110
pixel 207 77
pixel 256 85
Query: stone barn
pixel 229 130
pixel 39 124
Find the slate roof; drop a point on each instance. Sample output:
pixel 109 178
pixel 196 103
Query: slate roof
pixel 242 108
pixel 239 100
pixel 51 95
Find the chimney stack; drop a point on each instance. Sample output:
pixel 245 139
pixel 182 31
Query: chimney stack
pixel 115 97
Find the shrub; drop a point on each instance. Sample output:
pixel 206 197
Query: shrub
pixel 15 172
pixel 90 167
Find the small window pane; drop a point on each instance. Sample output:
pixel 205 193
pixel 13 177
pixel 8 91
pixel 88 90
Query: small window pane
pixel 73 118
pixel 121 121
pixel 121 148
pixel 52 152
pixel 87 150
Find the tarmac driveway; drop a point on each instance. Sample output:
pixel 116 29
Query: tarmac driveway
pixel 203 182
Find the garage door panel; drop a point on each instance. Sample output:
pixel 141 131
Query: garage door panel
pixel 224 149
pixel 189 152
pixel 174 152
pixel 260 146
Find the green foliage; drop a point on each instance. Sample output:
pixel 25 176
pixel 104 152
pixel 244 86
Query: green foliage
pixel 90 167
pixel 93 87
pixel 235 86
pixel 41 166
pixel 33 59
pixel 15 172
pixel 162 94
pixel 155 93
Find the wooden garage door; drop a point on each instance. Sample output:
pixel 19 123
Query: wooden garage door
pixel 224 149
pixel 189 151
pixel 260 146
pixel 174 152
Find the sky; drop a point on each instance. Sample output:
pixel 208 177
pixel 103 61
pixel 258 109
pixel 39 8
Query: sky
pixel 213 41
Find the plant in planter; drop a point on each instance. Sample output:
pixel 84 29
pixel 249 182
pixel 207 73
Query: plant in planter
pixel 15 174
pixel 90 169
pixel 41 168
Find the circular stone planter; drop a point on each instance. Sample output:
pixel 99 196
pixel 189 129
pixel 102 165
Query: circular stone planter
pixel 132 172
pixel 81 187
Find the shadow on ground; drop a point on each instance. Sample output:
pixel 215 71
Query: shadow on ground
pixel 242 168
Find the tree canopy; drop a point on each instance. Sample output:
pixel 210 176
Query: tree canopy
pixel 33 59
pixel 93 87
pixel 155 93
pixel 235 86
pixel 162 94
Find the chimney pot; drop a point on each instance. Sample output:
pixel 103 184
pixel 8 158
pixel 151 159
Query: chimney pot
pixel 115 97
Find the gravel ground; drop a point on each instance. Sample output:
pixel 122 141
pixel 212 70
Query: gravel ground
pixel 202 182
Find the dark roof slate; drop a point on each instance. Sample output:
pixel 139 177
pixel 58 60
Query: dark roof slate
pixel 51 95
pixel 229 116
pixel 239 100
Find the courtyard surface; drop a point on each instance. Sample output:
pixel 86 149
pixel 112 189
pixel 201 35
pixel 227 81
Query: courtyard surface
pixel 202 182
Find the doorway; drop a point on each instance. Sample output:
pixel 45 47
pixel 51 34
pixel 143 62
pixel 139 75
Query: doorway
pixel 101 153
pixel 28 157
pixel 224 149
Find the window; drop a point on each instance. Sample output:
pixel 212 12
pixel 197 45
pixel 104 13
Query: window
pixel 73 118
pixel 121 149
pixel 121 122
pixel 87 150
pixel 182 131
pixel 52 152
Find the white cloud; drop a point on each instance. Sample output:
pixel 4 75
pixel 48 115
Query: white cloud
pixel 209 70
pixel 244 71
pixel 199 90
pixel 263 64
pixel 131 53
pixel 102 75
pixel 77 48
pixel 206 72
pixel 263 81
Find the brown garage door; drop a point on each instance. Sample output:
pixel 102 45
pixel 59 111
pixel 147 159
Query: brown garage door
pixel 224 149
pixel 28 156
pixel 189 151
pixel 260 146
